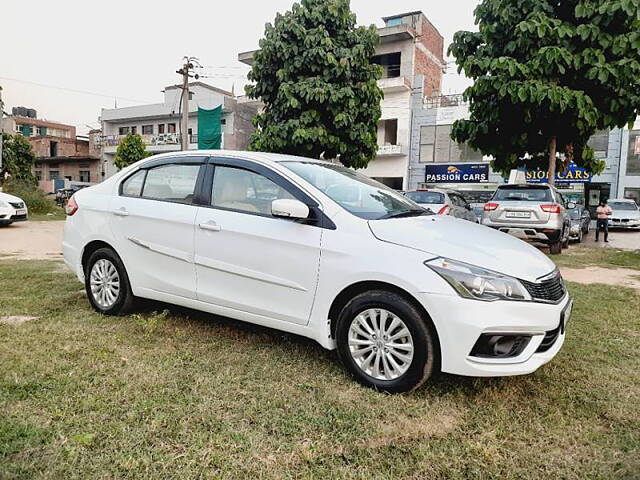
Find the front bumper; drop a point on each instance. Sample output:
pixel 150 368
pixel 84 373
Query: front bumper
pixel 627 224
pixel 460 322
pixel 13 217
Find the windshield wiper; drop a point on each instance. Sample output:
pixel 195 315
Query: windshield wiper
pixel 414 212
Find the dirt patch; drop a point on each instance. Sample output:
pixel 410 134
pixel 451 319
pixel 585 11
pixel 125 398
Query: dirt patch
pixel 16 319
pixel 31 241
pixel 621 277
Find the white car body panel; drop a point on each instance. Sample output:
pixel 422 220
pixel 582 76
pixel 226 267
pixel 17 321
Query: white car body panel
pixel 8 211
pixel 285 275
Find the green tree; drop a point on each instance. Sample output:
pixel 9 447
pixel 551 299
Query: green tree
pixel 130 150
pixel 17 158
pixel 314 74
pixel 548 74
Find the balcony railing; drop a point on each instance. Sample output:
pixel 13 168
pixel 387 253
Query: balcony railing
pixel 389 150
pixel 444 101
pixel 151 140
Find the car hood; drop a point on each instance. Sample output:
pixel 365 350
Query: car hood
pixel 628 214
pixel 9 198
pixel 445 236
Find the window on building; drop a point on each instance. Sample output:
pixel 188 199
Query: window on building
pixel 633 194
pixel 190 131
pixel 633 153
pixel 427 143
pixel 85 176
pixel 53 149
pixel 175 183
pixel 190 95
pixel 147 129
pixel 38 175
pixel 392 22
pixel 171 128
pixel 54 174
pixel 134 130
pixel 161 128
pixel 600 143
pixel 42 131
pixel 388 132
pixel 390 63
pixel 123 130
pixel 223 121
pixel 391 182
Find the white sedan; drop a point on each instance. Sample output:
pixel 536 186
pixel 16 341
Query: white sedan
pixel 316 249
pixel 12 209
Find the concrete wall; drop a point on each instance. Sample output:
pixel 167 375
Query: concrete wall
pixel 67 147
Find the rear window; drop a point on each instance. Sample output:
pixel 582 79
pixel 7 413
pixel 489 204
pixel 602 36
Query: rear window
pixel 623 206
pixel 425 197
pixel 526 194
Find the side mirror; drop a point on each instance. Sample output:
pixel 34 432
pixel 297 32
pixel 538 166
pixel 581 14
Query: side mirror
pixel 571 205
pixel 289 208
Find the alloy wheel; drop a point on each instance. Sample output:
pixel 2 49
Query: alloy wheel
pixel 105 283
pixel 380 344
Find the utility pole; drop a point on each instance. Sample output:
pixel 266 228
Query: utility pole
pixel 187 67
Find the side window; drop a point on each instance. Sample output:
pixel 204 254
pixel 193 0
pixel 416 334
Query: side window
pixel 132 186
pixel 175 183
pixel 244 190
pixel 455 200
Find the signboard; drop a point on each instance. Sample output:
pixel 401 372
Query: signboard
pixel 573 174
pixel 457 173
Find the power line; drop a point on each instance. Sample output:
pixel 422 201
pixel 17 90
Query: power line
pixel 84 92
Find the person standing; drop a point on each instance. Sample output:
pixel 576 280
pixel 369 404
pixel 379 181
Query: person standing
pixel 603 212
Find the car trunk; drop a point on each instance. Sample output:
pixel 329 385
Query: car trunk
pixel 514 212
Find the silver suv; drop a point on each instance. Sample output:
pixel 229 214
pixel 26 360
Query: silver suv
pixel 537 213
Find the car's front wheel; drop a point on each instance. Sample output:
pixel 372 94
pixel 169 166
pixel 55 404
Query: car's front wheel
pixel 385 342
pixel 107 284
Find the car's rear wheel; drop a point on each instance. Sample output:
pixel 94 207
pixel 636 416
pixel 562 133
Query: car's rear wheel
pixel 107 283
pixel 580 234
pixel 385 342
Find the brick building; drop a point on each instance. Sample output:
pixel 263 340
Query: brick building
pixel 61 156
pixel 411 53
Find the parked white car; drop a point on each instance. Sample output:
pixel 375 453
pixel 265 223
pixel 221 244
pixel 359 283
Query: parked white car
pixel 443 202
pixel 12 209
pixel 625 214
pixel 280 241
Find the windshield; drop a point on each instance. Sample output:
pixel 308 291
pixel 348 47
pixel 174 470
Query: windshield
pixel 575 214
pixel 426 197
pixel 527 194
pixel 623 206
pixel 356 193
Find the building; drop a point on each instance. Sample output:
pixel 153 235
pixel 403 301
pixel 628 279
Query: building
pixel 437 161
pixel 411 54
pixel 159 123
pixel 61 156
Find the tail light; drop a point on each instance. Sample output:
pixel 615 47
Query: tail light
pixel 550 208
pixel 72 207
pixel 444 210
pixel 490 207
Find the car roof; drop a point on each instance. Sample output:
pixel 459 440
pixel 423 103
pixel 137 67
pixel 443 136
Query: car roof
pixel 262 157
pixel 525 185
pixel 622 200
pixel 437 190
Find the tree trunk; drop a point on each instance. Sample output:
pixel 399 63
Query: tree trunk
pixel 551 173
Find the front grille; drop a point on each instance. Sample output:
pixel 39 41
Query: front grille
pixel 549 339
pixel 17 204
pixel 551 289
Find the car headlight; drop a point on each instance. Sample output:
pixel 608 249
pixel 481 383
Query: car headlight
pixel 477 283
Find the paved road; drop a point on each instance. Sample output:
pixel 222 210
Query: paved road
pixel 626 239
pixel 32 240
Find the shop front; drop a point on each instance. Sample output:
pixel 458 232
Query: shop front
pixel 475 181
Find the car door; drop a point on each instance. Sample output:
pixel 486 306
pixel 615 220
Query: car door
pixel 467 211
pixel 245 258
pixel 153 220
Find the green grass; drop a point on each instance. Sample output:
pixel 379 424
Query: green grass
pixel 180 394
pixel 581 257
pixel 57 214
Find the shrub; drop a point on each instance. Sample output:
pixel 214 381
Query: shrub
pixel 37 201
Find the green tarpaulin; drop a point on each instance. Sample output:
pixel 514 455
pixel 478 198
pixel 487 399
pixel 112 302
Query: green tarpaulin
pixel 209 129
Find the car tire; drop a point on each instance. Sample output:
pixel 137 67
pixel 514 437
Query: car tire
pixel 565 240
pixel 107 283
pixel 580 235
pixel 555 248
pixel 390 370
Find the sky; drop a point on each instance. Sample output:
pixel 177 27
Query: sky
pixel 75 57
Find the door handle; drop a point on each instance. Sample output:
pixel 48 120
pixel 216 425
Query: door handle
pixel 121 212
pixel 212 226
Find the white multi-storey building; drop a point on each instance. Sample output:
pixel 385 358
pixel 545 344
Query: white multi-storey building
pixel 159 123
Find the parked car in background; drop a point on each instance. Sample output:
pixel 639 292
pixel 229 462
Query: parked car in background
pixel 625 214
pixel 580 221
pixel 278 241
pixel 536 213
pixel 12 209
pixel 443 202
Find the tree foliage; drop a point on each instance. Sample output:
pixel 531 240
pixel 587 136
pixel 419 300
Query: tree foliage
pixel 314 74
pixel 130 150
pixel 17 158
pixel 548 74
